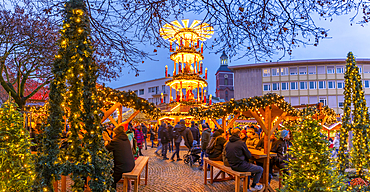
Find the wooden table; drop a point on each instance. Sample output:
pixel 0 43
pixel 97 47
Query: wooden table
pixel 261 156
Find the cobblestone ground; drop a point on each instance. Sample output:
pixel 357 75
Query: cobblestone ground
pixel 176 176
pixel 171 176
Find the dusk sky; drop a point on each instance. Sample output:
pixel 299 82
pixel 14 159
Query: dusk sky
pixel 344 38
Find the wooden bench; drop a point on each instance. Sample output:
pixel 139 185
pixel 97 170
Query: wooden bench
pixel 140 163
pixel 224 169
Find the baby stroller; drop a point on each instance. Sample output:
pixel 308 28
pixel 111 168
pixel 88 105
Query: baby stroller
pixel 193 154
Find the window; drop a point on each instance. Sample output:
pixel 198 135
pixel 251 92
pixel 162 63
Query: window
pixel 151 89
pixel 266 86
pixel 266 72
pixel 302 85
pixel 226 95
pixel 330 69
pixel 340 84
pixel 359 68
pixel 312 84
pixel 275 86
pixel 331 84
pixel 141 92
pixel 366 68
pixel 302 70
pixel 322 100
pixel 311 70
pixel 340 104
pixel 366 84
pixel 293 70
pixel 340 69
pixel 284 71
pixel 275 71
pixel 293 85
pixel 225 82
pixel 136 92
pixel 320 69
pixel 284 86
pixel 322 84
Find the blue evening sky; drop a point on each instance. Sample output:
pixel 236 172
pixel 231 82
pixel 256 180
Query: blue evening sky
pixel 344 38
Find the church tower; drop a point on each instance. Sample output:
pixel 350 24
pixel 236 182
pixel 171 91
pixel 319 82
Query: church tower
pixel 224 79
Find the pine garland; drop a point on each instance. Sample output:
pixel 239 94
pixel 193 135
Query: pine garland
pixel 354 94
pixel 16 160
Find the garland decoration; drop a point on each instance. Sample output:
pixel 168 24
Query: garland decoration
pixel 354 94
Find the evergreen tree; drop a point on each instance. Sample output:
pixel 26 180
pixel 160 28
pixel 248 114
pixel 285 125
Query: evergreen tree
pixel 310 167
pixel 86 155
pixel 354 94
pixel 16 160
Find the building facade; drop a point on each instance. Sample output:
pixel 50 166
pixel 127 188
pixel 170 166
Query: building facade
pixel 300 82
pixel 224 80
pixel 152 90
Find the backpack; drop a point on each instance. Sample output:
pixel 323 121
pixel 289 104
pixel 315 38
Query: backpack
pixel 211 146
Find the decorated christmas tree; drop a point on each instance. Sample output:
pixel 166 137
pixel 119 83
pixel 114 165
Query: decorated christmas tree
pixel 86 155
pixel 310 167
pixel 17 166
pixel 353 93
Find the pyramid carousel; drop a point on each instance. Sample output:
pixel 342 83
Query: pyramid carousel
pixel 187 86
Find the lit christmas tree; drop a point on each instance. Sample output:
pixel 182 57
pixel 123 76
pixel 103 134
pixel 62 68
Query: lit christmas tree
pixel 17 166
pixel 310 167
pixel 353 93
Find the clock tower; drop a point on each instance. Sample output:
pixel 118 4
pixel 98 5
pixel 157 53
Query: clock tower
pixel 224 80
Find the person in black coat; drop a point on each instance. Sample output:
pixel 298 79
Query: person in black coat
pixel 216 155
pixel 152 135
pixel 165 139
pixel 238 155
pixel 144 129
pixel 186 134
pixel 195 132
pixel 170 134
pixel 122 154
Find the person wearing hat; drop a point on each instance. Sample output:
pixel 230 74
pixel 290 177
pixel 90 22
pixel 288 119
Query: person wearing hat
pixel 206 137
pixel 181 131
pixel 280 147
pixel 195 132
pixel 238 155
pixel 122 155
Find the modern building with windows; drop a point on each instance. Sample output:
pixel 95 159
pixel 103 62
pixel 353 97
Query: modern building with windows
pixel 300 82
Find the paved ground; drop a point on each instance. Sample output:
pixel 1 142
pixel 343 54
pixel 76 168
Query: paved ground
pixel 176 176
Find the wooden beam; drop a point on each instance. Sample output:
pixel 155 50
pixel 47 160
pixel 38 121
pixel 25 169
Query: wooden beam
pixel 109 112
pixel 113 121
pixel 120 114
pixel 215 122
pixel 132 116
pixel 231 122
pixel 224 124
pixel 259 120
pixel 282 116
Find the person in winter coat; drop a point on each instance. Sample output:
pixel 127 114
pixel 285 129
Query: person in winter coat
pixel 139 136
pixel 165 139
pixel 252 138
pixel 170 134
pixel 186 134
pixel 177 139
pixel 336 145
pixel 261 142
pixel 238 155
pixel 122 155
pixel 145 133
pixel 195 132
pixel 159 147
pixel 206 137
pixel 152 135
pixel 280 147
pixel 216 154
